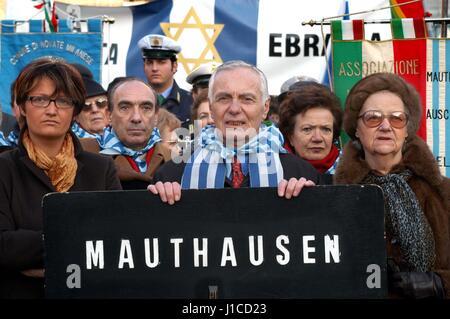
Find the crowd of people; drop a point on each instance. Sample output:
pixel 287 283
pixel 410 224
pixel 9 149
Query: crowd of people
pixel 70 134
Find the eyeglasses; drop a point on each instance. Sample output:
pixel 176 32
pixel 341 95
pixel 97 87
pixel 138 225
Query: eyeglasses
pixel 101 103
pixel 43 101
pixel 375 118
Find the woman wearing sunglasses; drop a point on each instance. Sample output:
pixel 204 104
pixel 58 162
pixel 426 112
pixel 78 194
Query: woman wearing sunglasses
pixel 382 116
pixel 49 158
pixel 94 115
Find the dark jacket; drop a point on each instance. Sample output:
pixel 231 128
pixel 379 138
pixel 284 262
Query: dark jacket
pixel 293 166
pixel 7 124
pixel 430 187
pixel 129 178
pixel 22 186
pixel 179 102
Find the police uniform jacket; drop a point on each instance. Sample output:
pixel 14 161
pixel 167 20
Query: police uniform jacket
pixel 179 102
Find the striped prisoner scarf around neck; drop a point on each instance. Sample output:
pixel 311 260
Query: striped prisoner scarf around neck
pixel 11 140
pixel 211 161
pixel 81 132
pixel 111 145
pixel 3 140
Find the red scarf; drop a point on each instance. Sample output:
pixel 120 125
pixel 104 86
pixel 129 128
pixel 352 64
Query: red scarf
pixel 148 157
pixel 321 165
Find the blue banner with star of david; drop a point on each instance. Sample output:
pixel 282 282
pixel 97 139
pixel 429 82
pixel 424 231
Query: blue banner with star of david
pixel 18 49
pixel 236 41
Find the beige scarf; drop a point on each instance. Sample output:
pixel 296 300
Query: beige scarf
pixel 61 169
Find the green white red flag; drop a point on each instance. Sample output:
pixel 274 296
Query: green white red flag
pixel 410 28
pixel 51 23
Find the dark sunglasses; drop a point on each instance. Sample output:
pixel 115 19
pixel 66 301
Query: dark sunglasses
pixel 101 103
pixel 375 118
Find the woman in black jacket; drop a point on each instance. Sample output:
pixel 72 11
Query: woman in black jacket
pixel 49 158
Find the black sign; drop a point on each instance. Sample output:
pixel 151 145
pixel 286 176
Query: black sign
pixel 244 243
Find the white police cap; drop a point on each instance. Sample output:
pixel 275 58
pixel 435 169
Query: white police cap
pixel 157 46
pixel 202 73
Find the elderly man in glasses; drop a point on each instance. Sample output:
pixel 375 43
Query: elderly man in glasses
pixel 94 115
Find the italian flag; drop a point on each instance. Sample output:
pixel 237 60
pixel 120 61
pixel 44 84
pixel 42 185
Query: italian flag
pixel 421 61
pixel 50 15
pixel 408 28
pixel 348 29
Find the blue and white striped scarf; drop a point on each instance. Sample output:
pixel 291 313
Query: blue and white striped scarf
pixel 82 133
pixel 3 140
pixel 332 169
pixel 211 161
pixel 12 139
pixel 111 145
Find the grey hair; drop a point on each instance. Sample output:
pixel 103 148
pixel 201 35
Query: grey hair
pixel 236 64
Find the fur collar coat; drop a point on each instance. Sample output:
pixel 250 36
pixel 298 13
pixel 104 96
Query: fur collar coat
pixel 430 187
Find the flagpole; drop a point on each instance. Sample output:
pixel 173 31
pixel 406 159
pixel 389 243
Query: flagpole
pixel 444 16
pixel 444 20
pixel 104 18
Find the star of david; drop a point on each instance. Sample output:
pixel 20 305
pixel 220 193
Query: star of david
pixel 174 31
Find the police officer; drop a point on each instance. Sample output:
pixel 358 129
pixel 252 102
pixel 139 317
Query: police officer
pixel 160 65
pixel 199 78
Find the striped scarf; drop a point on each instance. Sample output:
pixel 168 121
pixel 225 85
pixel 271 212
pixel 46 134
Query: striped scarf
pixel 211 161
pixel 332 168
pixel 3 140
pixel 82 133
pixel 405 220
pixel 111 145
pixel 11 140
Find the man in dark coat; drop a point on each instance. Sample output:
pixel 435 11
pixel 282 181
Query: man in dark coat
pixel 160 65
pixel 240 151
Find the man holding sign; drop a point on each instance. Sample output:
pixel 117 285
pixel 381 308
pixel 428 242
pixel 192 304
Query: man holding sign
pixel 239 151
